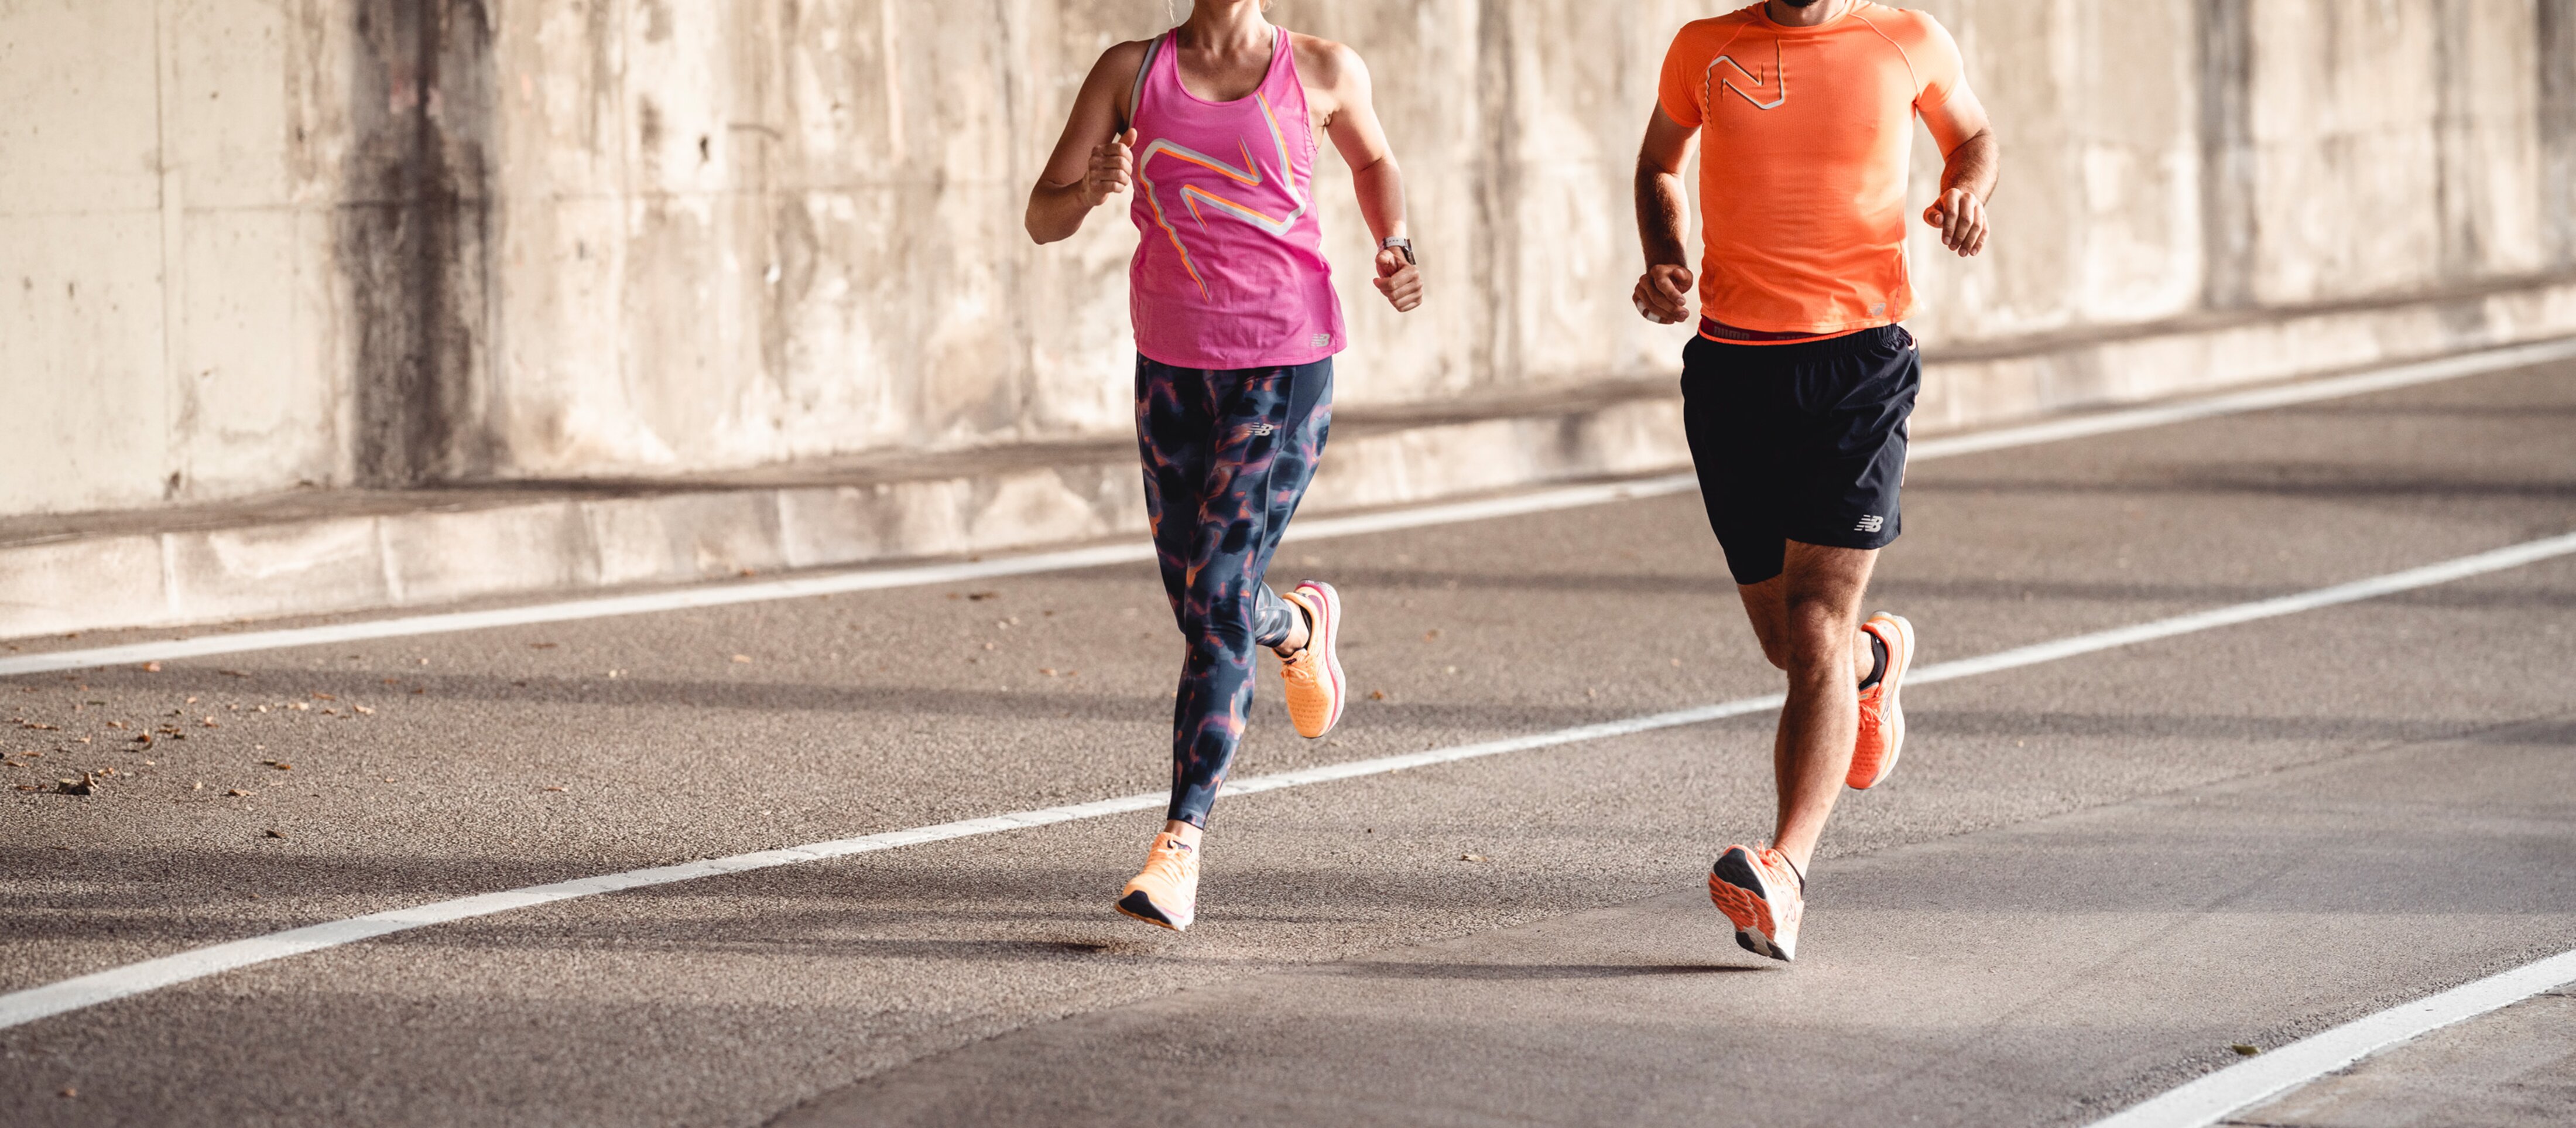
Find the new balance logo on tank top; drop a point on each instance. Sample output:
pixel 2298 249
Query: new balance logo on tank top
pixel 1230 269
pixel 1804 138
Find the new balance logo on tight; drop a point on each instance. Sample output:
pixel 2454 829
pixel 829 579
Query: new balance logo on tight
pixel 1870 524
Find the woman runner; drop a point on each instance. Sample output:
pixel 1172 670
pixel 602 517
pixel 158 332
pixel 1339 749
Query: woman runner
pixel 1236 325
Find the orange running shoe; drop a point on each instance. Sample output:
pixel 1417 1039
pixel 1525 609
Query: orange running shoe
pixel 1882 720
pixel 1316 690
pixel 1764 895
pixel 1167 893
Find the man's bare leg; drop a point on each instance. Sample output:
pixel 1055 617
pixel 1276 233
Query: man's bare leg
pixel 1808 618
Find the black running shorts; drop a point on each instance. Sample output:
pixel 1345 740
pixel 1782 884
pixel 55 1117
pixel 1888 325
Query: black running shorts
pixel 1802 442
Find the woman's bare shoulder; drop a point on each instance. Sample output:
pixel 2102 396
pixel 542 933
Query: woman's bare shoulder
pixel 1121 58
pixel 1325 64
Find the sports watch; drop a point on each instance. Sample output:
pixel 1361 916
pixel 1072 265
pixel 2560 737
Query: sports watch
pixel 1400 243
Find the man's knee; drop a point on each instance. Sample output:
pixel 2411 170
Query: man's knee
pixel 1778 652
pixel 1820 634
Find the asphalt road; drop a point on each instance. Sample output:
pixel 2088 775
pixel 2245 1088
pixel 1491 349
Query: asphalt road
pixel 2088 879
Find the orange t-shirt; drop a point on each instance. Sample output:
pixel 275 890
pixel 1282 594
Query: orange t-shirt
pixel 1804 137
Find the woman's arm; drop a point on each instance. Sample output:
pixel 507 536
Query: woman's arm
pixel 1093 159
pixel 1351 121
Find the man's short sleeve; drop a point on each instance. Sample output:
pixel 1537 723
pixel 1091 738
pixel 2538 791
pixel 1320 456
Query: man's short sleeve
pixel 1938 69
pixel 1685 64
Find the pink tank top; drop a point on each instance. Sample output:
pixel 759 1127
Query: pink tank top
pixel 1230 269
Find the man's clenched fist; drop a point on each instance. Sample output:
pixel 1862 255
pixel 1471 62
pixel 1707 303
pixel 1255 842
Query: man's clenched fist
pixel 1961 216
pixel 1663 294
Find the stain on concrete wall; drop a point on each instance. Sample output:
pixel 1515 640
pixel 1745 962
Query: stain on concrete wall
pixel 413 236
pixel 2224 38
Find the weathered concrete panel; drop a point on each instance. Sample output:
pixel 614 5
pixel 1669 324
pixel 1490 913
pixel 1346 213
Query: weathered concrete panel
pixel 2396 143
pixel 2555 31
pixel 2098 213
pixel 81 362
pixel 82 136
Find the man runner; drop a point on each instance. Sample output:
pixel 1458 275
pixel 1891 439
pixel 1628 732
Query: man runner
pixel 1236 326
pixel 1796 390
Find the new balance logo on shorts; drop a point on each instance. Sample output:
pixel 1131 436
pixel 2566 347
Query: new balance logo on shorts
pixel 1870 524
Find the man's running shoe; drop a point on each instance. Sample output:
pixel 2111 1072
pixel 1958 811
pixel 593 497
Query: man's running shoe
pixel 1316 690
pixel 1167 893
pixel 1764 895
pixel 1882 720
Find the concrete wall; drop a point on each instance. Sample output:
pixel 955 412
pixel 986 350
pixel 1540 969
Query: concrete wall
pixel 252 244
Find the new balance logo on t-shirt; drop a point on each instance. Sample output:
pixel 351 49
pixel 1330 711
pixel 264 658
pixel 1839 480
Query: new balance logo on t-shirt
pixel 1870 524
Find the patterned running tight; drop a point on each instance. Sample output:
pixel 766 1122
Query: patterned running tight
pixel 1228 453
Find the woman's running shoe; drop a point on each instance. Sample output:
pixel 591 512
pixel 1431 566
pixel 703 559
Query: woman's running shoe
pixel 1316 690
pixel 1764 895
pixel 1882 720
pixel 1167 893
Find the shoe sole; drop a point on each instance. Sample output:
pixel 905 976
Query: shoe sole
pixel 1898 661
pixel 1737 891
pixel 1327 641
pixel 1143 908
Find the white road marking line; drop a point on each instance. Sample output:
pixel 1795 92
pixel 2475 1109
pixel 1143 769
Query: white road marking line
pixel 20 1007
pixel 1316 528
pixel 2206 1101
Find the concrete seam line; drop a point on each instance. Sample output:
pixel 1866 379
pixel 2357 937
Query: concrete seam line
pixel 21 1007
pixel 1313 528
pixel 2204 1102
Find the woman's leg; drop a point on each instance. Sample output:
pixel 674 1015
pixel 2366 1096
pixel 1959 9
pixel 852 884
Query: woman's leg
pixel 1175 414
pixel 1277 623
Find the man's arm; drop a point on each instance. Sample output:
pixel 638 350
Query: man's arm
pixel 1351 121
pixel 1970 162
pixel 1663 292
pixel 1092 158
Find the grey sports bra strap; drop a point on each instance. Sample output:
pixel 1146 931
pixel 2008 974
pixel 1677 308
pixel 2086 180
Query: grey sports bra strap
pixel 1136 92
